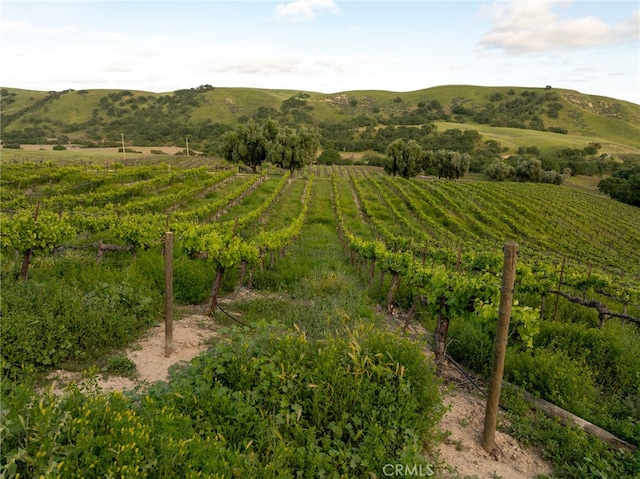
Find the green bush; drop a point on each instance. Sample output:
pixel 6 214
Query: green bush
pixel 72 309
pixel 574 453
pixel 471 345
pixel 611 353
pixel 274 404
pixel 554 376
pixel 121 366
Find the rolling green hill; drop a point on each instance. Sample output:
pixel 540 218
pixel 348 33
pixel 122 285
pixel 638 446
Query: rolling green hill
pixel 514 116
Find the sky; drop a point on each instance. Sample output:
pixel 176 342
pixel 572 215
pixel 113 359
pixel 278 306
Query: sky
pixel 326 46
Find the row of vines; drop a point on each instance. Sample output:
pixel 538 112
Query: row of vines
pixel 574 328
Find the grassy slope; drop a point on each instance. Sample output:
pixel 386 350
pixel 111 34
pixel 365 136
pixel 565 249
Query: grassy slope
pixel 613 123
pixel 513 138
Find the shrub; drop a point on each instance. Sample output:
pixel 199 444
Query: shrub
pixel 471 345
pixel 121 366
pixel 612 353
pixel 71 309
pixel 553 376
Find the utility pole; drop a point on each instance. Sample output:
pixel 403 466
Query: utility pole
pixel 124 154
pixel 187 146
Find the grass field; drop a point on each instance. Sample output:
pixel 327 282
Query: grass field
pixel 512 139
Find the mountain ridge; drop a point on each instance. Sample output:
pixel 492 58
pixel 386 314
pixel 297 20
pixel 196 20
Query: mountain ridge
pixel 100 116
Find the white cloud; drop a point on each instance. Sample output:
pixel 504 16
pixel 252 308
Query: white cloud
pixel 24 27
pixel 533 27
pixel 111 36
pixel 301 10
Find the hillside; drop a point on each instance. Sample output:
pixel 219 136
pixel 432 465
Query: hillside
pixel 516 117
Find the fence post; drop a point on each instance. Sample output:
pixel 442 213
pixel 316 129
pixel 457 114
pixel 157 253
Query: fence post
pixel 500 347
pixel 168 293
pixel 555 307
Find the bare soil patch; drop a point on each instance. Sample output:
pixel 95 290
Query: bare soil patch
pixel 143 150
pixel 190 337
pixel 461 454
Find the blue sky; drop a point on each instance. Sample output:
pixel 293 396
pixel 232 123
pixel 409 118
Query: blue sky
pixel 322 45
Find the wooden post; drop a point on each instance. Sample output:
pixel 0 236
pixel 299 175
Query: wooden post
pixel 555 307
pixel 500 348
pixel 26 261
pixel 168 294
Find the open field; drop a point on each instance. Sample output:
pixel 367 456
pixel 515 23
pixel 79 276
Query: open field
pixel 97 156
pixel 514 138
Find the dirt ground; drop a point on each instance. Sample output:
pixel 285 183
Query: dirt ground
pixel 460 455
pixel 463 423
pixel 144 150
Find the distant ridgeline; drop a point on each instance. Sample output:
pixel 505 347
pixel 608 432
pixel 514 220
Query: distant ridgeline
pixel 564 129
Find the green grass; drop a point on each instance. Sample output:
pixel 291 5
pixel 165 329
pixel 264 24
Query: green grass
pixel 585 183
pixel 513 138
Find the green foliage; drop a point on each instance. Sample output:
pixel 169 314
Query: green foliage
pixel 555 377
pixel 329 157
pixel 246 144
pixel 275 404
pixel 121 366
pixel 528 170
pixel 612 355
pixel 404 159
pixel 292 149
pixel 623 185
pixel 553 177
pixel 471 344
pixel 76 312
pixel 574 453
pixel 450 164
pixel 24 230
pixel 192 280
pixel 499 170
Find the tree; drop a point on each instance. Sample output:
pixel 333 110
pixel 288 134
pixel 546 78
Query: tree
pixel 246 144
pixel 329 157
pixel 623 185
pixel 499 170
pixel 529 169
pixel 404 159
pixel 451 164
pixel 293 149
pixel 553 177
